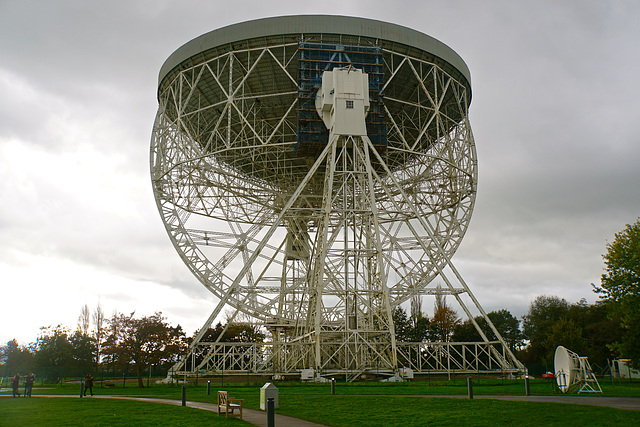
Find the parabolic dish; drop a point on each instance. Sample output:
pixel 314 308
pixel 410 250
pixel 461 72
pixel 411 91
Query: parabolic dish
pixel 237 132
pixel 564 368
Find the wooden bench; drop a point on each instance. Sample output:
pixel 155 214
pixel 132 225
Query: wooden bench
pixel 227 405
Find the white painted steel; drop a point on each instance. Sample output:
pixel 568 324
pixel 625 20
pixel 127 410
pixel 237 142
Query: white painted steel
pixel 574 372
pixel 319 249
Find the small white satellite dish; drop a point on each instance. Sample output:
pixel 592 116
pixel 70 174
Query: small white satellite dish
pixel 572 370
pixel 564 368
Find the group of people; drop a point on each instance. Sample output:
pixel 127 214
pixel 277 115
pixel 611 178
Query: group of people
pixel 28 385
pixel 31 378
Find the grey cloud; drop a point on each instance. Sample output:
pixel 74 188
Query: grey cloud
pixel 554 114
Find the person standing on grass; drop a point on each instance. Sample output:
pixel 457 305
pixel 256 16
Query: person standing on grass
pixel 16 385
pixel 88 384
pixel 28 384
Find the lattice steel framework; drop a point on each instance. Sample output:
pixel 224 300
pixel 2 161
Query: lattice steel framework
pixel 319 246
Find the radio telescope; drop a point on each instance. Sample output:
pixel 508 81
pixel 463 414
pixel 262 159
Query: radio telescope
pixel 574 372
pixel 314 173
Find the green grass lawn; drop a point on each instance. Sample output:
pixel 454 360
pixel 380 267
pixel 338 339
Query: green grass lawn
pixel 413 411
pixel 354 404
pixel 41 411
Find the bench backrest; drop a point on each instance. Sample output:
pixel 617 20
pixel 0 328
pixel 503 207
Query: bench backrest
pixel 223 398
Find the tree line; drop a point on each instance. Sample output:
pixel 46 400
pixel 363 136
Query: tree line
pixel 607 329
pixel 590 330
pixel 123 342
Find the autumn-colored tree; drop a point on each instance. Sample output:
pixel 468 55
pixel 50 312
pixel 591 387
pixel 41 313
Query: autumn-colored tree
pixel 141 342
pixel 444 323
pixel 445 319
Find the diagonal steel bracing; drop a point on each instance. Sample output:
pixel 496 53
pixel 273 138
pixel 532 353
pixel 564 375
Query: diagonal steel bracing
pixel 318 249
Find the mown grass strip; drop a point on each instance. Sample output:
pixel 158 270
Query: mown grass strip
pixel 45 411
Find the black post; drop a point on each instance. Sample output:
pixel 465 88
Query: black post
pixel 271 416
pixel 124 378
pixel 470 387
pixel 333 386
pixel 208 387
pixel 184 395
pixel 81 389
pixel 526 385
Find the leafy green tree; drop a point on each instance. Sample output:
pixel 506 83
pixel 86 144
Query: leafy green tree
pixel 54 352
pixel 544 312
pixel 507 325
pixel 401 324
pixel 420 328
pixel 240 332
pixel 583 328
pixel 413 328
pixel 466 332
pixel 142 342
pixel 83 351
pixel 601 327
pixel 620 285
pixel 565 332
pixel 233 332
pixel 420 324
pixel 15 358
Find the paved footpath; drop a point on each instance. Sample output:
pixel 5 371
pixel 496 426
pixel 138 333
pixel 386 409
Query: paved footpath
pixel 632 403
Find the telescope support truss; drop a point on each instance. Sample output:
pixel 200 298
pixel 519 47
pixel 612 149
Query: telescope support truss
pixel 318 250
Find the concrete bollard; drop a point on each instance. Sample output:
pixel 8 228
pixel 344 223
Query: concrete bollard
pixel 470 387
pixel 271 412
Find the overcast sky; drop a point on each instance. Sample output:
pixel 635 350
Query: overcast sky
pixel 554 113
